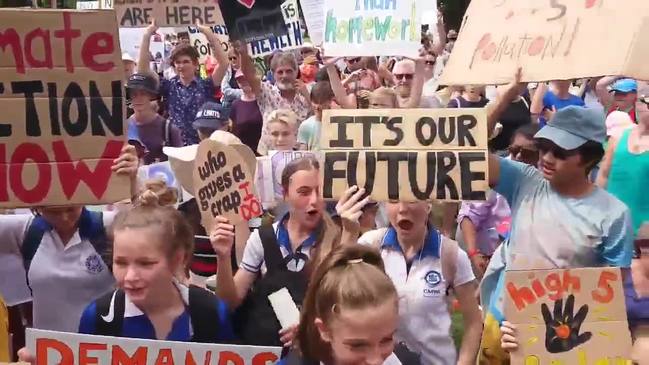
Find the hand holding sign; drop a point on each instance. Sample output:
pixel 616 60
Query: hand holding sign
pixel 350 208
pixel 222 237
pixel 152 28
pixel 562 329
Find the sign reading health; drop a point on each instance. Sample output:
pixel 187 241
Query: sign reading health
pixel 372 27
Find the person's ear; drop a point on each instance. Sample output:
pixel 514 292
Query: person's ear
pixel 325 334
pixel 178 260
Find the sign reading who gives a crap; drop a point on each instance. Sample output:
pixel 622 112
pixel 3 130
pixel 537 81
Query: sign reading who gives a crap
pixel 61 97
pixel 223 184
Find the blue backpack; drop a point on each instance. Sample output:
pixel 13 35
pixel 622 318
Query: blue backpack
pixel 91 228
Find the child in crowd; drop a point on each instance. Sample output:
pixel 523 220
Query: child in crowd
pixel 282 128
pixel 308 136
pixel 211 117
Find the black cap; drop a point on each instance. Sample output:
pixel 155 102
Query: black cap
pixel 143 82
pixel 211 115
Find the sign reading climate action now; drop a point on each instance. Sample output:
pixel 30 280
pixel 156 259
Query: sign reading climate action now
pixel 61 96
pixel 406 154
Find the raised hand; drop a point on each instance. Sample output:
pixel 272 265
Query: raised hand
pixel 350 207
pixel 222 237
pixel 152 28
pixel 562 327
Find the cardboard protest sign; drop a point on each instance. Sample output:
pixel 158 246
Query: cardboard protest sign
pixel 199 41
pixel 313 11
pixel 61 95
pixel 372 28
pixel 177 13
pixel 223 184
pixel 252 20
pixel 575 316
pixel 551 40
pixel 62 348
pixel 264 182
pixel 405 154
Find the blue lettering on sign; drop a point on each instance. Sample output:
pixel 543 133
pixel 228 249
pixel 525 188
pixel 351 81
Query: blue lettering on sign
pixel 292 39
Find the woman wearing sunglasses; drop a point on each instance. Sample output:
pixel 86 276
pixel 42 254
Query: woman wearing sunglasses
pixel 625 168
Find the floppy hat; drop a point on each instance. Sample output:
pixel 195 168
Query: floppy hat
pixel 573 126
pixel 617 122
pixel 181 159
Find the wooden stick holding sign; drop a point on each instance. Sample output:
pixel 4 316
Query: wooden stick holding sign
pixel 62 103
pixel 575 316
pixel 74 349
pixel 406 154
pixel 224 184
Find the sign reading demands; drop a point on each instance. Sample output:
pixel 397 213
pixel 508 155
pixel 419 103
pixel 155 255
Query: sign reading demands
pixel 573 316
pixel 177 13
pixel 71 349
pixel 372 27
pixel 224 184
pixel 406 154
pixel 551 40
pixel 61 97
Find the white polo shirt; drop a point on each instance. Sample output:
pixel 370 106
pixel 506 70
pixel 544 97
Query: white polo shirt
pixel 424 320
pixel 63 279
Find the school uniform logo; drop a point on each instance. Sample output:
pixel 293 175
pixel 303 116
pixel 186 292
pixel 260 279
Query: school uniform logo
pixel 432 279
pixel 93 264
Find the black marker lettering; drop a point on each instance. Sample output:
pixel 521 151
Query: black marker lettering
pixel 446 129
pixel 464 125
pixel 342 140
pixel 467 176
pixel 99 111
pixel 444 181
pixel 74 93
pixel 432 131
pixel 391 124
pixel 429 172
pixel 367 122
pixel 5 129
pixel 330 174
pixel 393 159
pixel 54 108
pixel 369 166
pixel 28 88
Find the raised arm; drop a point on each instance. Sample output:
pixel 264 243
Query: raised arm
pixel 607 161
pixel 143 65
pixel 223 64
pixel 346 101
pixel 441 31
pixel 537 101
pixel 417 85
pixel 601 89
pixel 248 67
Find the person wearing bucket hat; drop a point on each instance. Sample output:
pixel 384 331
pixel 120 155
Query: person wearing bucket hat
pixel 560 219
pixel 617 93
pixel 146 127
pixel 211 117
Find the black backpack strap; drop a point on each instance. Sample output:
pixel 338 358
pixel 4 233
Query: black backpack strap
pixel 204 315
pixel 110 314
pixel 32 239
pixel 273 257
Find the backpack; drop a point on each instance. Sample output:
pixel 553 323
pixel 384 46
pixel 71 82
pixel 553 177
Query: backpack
pixel 91 228
pixel 202 309
pixel 255 322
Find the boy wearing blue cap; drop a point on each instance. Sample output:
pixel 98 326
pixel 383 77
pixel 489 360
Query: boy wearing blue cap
pixel 559 218
pixel 618 94
pixel 211 117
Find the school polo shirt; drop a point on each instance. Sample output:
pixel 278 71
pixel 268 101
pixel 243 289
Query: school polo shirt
pixel 424 319
pixel 136 324
pixel 253 254
pixel 63 279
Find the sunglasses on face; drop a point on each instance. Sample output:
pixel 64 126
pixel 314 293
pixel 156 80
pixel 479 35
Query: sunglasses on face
pixel 430 63
pixel 232 58
pixel 404 76
pixel 353 60
pixel 644 99
pixel 526 154
pixel 546 146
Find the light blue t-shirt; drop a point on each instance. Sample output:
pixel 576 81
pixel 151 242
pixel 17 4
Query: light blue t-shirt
pixel 309 133
pixel 552 231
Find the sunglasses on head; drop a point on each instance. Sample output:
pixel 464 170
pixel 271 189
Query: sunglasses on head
pixel 546 146
pixel 404 76
pixel 526 154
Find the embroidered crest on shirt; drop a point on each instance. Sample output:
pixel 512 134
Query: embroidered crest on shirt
pixel 432 279
pixel 93 264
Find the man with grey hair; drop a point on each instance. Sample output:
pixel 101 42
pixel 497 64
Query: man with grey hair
pixel 404 74
pixel 288 92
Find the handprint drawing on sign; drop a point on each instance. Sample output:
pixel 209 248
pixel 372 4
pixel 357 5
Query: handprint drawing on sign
pixel 562 328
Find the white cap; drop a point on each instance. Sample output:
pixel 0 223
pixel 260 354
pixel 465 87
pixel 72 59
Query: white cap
pixel 617 122
pixel 127 57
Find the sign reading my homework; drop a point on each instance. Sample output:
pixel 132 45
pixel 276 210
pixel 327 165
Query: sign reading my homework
pixel 224 184
pixel 74 349
pixel 372 27
pixel 257 48
pixel 567 317
pixel 406 154
pixel 167 13
pixel 61 94
pixel 551 40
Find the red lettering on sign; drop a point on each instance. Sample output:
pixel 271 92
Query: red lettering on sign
pixel 264 357
pixel 47 47
pixel 84 359
pixel 230 358
pixel 11 38
pixel 70 175
pixel 96 44
pixel 250 207
pixel 67 34
pixel 4 192
pixel 555 286
pixel 45 344
pixel 23 153
pixel 119 357
pixel 165 357
pixel 604 292
pixel 590 3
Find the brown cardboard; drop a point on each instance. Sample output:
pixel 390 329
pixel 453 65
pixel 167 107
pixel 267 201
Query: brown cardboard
pixel 570 39
pixel 179 13
pixel 223 184
pixel 42 127
pixel 597 292
pixel 449 163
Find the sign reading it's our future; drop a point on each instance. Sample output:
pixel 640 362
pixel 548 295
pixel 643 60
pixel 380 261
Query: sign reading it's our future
pixel 406 154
